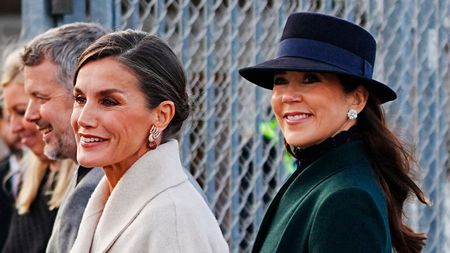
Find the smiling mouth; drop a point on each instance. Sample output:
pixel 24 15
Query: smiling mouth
pixel 90 140
pixel 45 130
pixel 297 116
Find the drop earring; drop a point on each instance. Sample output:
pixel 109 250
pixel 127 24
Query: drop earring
pixel 153 135
pixel 352 114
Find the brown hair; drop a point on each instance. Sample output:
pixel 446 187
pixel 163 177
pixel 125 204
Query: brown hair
pixel 392 162
pixel 154 64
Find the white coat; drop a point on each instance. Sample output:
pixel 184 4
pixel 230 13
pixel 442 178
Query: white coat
pixel 153 208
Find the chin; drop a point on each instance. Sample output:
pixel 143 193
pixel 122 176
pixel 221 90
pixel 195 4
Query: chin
pixel 299 143
pixel 51 152
pixel 295 141
pixel 89 161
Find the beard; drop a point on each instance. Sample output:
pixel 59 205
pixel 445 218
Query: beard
pixel 62 148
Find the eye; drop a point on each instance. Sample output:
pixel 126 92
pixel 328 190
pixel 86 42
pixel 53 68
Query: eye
pixel 109 102
pixel 278 80
pixel 39 98
pixel 311 78
pixel 79 99
pixel 20 112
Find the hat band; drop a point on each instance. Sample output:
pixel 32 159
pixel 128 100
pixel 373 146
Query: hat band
pixel 327 53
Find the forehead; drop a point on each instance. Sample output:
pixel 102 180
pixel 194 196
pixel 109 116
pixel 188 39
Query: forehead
pixel 106 73
pixel 41 77
pixel 14 93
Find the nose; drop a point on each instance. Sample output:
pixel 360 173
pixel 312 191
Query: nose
pixel 290 95
pixel 85 116
pixel 32 112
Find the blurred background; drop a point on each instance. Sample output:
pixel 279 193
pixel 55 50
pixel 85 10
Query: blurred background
pixel 10 22
pixel 231 143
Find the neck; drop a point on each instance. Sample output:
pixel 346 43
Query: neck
pixel 308 155
pixel 115 171
pixel 113 175
pixel 54 165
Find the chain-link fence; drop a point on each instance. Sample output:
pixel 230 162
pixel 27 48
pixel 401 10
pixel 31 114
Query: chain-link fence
pixel 229 142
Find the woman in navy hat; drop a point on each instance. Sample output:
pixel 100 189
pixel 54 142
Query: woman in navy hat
pixel 348 192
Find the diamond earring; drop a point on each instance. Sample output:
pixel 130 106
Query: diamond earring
pixel 352 114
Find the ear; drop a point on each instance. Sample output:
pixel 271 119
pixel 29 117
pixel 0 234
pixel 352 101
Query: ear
pixel 164 113
pixel 358 98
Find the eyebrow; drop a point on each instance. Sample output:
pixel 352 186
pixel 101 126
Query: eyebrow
pixel 281 72
pixel 36 93
pixel 102 92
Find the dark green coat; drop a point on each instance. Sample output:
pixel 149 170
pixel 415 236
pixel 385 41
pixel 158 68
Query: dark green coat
pixel 334 205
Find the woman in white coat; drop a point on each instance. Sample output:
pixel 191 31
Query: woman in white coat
pixel 130 101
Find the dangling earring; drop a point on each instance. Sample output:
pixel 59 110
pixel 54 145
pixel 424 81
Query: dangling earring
pixel 352 114
pixel 154 134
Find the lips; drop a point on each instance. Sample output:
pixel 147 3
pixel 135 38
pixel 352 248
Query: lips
pixel 297 116
pixel 45 130
pixel 294 117
pixel 88 140
pixel 46 133
pixel 44 127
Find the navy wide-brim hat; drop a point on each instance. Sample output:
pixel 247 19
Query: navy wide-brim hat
pixel 320 43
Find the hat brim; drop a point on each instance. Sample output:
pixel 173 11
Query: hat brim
pixel 262 74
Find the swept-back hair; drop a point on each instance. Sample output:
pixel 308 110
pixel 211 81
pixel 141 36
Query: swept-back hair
pixel 156 67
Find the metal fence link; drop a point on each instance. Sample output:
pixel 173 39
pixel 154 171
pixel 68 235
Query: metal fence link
pixel 226 142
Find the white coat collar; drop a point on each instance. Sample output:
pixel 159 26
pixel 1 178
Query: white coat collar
pixel 156 171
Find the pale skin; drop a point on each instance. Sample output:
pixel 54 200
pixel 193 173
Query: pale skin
pixel 311 107
pixel 111 119
pixel 114 172
pixel 15 101
pixel 50 107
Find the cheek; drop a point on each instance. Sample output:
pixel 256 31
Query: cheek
pixel 45 111
pixel 135 132
pixel 74 118
pixel 18 120
pixel 29 126
pixel 15 124
pixel 276 103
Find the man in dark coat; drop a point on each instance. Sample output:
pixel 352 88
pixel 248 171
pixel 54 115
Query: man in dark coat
pixel 50 61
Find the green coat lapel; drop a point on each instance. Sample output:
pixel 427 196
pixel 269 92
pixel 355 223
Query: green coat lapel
pixel 300 183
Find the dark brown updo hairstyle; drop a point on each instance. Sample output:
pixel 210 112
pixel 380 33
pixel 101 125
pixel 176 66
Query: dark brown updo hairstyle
pixel 155 66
